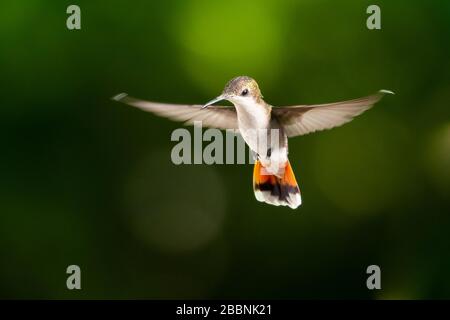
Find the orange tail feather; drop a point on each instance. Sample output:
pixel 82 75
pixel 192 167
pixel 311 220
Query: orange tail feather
pixel 278 191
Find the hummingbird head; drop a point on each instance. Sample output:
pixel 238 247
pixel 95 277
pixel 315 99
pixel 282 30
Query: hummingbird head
pixel 239 90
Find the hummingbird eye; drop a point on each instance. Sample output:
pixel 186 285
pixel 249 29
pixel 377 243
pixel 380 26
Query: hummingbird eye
pixel 244 92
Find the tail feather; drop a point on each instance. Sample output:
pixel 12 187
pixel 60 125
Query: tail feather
pixel 275 190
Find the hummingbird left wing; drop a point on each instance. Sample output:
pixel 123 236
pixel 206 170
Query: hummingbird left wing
pixel 300 120
pixel 213 117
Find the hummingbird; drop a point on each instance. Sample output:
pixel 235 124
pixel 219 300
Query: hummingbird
pixel 274 181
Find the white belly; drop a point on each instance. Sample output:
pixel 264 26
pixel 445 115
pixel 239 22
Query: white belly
pixel 253 121
pixel 262 136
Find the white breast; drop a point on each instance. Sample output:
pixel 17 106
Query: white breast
pixel 255 125
pixel 253 118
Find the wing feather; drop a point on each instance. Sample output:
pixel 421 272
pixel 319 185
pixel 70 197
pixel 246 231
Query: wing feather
pixel 214 116
pixel 304 119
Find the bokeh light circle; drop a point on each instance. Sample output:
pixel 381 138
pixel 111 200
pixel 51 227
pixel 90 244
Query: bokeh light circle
pixel 362 168
pixel 438 158
pixel 227 39
pixel 174 208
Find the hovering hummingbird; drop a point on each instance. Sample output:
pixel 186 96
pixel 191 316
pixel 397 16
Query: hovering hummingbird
pixel 273 184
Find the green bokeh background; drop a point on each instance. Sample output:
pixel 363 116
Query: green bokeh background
pixel 87 181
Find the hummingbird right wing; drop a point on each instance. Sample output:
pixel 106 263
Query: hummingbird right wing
pixel 213 116
pixel 300 120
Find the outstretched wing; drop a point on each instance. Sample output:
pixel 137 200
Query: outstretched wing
pixel 213 116
pixel 300 120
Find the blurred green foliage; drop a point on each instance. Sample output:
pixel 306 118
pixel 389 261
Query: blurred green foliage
pixel 88 181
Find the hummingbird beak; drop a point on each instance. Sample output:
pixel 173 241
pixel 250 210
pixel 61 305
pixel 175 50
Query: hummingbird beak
pixel 219 98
